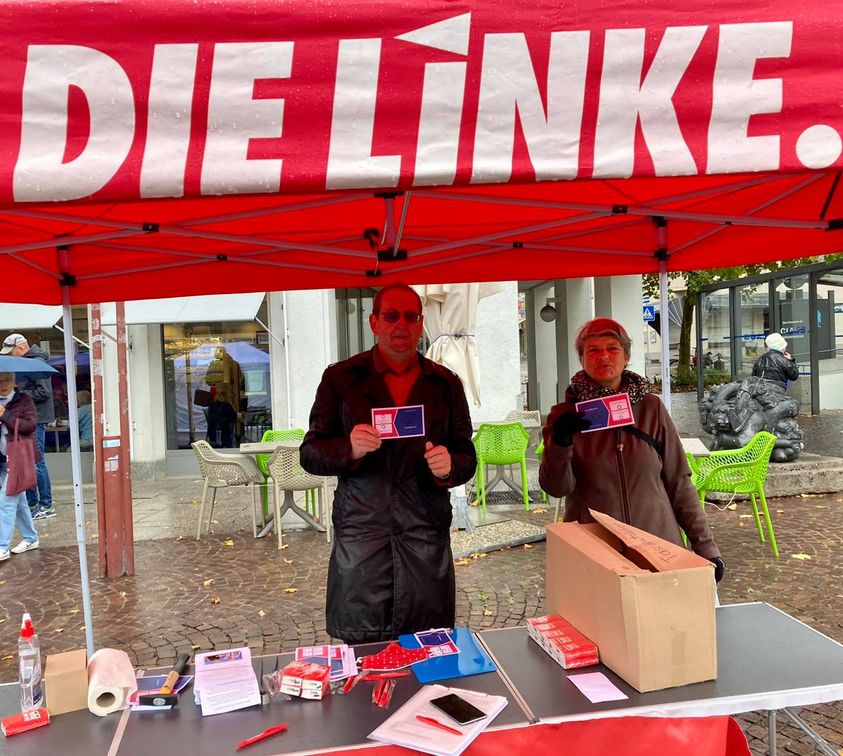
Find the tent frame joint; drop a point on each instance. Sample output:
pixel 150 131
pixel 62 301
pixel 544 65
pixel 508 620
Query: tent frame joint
pixel 517 245
pixel 390 254
pixel 835 224
pixel 620 209
pixel 67 279
pixel 150 228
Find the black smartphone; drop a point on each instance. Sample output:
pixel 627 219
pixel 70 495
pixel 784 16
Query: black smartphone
pixel 458 709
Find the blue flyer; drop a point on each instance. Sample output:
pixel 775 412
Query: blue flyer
pixel 399 422
pixel 607 412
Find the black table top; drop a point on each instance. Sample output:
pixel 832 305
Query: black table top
pixel 75 732
pixel 766 659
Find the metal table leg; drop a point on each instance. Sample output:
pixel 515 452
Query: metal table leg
pixel 818 739
pixel 771 732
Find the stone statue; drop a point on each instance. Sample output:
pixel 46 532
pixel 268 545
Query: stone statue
pixel 733 413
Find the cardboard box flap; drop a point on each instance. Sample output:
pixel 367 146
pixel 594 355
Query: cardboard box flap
pixel 662 555
pixel 581 538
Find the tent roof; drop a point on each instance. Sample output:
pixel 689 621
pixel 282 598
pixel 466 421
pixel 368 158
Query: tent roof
pixel 201 147
pixel 550 230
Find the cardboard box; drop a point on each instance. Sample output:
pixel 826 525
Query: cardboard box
pixel 647 603
pixel 66 682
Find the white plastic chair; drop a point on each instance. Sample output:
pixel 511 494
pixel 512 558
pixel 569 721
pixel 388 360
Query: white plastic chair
pixel 288 475
pixel 221 470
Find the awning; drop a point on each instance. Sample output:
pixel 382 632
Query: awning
pixel 20 317
pixel 210 308
pixel 152 151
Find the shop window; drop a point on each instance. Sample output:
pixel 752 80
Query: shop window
pixel 217 382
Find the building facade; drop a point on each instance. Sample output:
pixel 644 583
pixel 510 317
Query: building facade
pixel 228 367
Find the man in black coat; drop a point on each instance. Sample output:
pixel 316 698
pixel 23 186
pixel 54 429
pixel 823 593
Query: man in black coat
pixel 391 569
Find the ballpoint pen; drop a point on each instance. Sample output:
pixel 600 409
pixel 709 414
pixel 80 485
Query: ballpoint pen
pixel 261 736
pixel 436 723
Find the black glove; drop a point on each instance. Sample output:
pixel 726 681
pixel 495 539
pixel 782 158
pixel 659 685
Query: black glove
pixel 719 568
pixel 566 425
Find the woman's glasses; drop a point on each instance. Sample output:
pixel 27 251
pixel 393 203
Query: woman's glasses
pixel 393 316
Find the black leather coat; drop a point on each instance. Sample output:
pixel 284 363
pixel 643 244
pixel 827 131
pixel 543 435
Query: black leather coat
pixel 774 366
pixel 391 569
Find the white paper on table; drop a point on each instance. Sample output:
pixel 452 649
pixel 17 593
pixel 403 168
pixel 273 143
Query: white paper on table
pixel 403 729
pixel 225 681
pixel 596 687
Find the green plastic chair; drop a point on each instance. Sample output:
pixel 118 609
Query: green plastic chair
pixel 539 453
pixel 290 434
pixel 740 471
pixel 692 461
pixel 501 444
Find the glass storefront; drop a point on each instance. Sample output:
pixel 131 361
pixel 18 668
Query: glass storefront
pixel 716 333
pixel 829 328
pixel 217 384
pixel 353 332
pixel 753 326
pixel 793 321
pixel 804 305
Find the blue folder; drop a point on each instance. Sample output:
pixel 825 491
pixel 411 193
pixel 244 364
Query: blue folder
pixel 471 660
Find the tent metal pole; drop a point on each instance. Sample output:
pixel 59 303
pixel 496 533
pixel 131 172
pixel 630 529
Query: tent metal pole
pixel 664 322
pixel 76 465
pixel 287 376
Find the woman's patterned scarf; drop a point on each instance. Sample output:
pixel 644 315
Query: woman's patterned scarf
pixel 582 387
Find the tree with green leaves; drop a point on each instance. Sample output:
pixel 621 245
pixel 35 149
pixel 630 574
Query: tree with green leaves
pixel 697 279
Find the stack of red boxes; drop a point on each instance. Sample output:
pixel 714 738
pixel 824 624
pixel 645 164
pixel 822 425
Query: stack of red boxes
pixel 306 679
pixel 565 644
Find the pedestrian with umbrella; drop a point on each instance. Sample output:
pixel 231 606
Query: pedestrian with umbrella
pixel 40 390
pixel 17 466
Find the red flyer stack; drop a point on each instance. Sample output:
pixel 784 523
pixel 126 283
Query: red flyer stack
pixel 563 641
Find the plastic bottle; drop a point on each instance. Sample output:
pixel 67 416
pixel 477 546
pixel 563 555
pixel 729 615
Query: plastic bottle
pixel 29 654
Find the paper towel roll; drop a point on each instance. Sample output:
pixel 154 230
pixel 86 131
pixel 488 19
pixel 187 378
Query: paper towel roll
pixel 111 680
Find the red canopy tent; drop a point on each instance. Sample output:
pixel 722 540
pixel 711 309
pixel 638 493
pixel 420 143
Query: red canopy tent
pixel 154 149
pixel 480 141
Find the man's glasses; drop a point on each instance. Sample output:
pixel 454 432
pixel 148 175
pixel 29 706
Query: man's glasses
pixel 393 316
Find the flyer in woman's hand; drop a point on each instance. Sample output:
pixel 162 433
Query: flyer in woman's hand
pixel 607 412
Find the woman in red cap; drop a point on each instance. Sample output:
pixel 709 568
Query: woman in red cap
pixel 637 473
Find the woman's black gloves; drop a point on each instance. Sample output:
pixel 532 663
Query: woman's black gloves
pixel 566 425
pixel 719 568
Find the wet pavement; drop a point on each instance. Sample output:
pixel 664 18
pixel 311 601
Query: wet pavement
pixel 229 590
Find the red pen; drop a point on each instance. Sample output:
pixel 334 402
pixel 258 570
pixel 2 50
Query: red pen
pixel 261 736
pixel 436 723
pixel 386 675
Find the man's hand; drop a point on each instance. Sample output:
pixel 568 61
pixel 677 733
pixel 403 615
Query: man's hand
pixel 438 460
pixel 2 410
pixel 364 439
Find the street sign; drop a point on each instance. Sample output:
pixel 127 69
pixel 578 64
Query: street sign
pixel 649 313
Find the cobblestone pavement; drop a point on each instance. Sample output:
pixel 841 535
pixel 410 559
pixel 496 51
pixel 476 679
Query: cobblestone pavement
pixel 230 590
